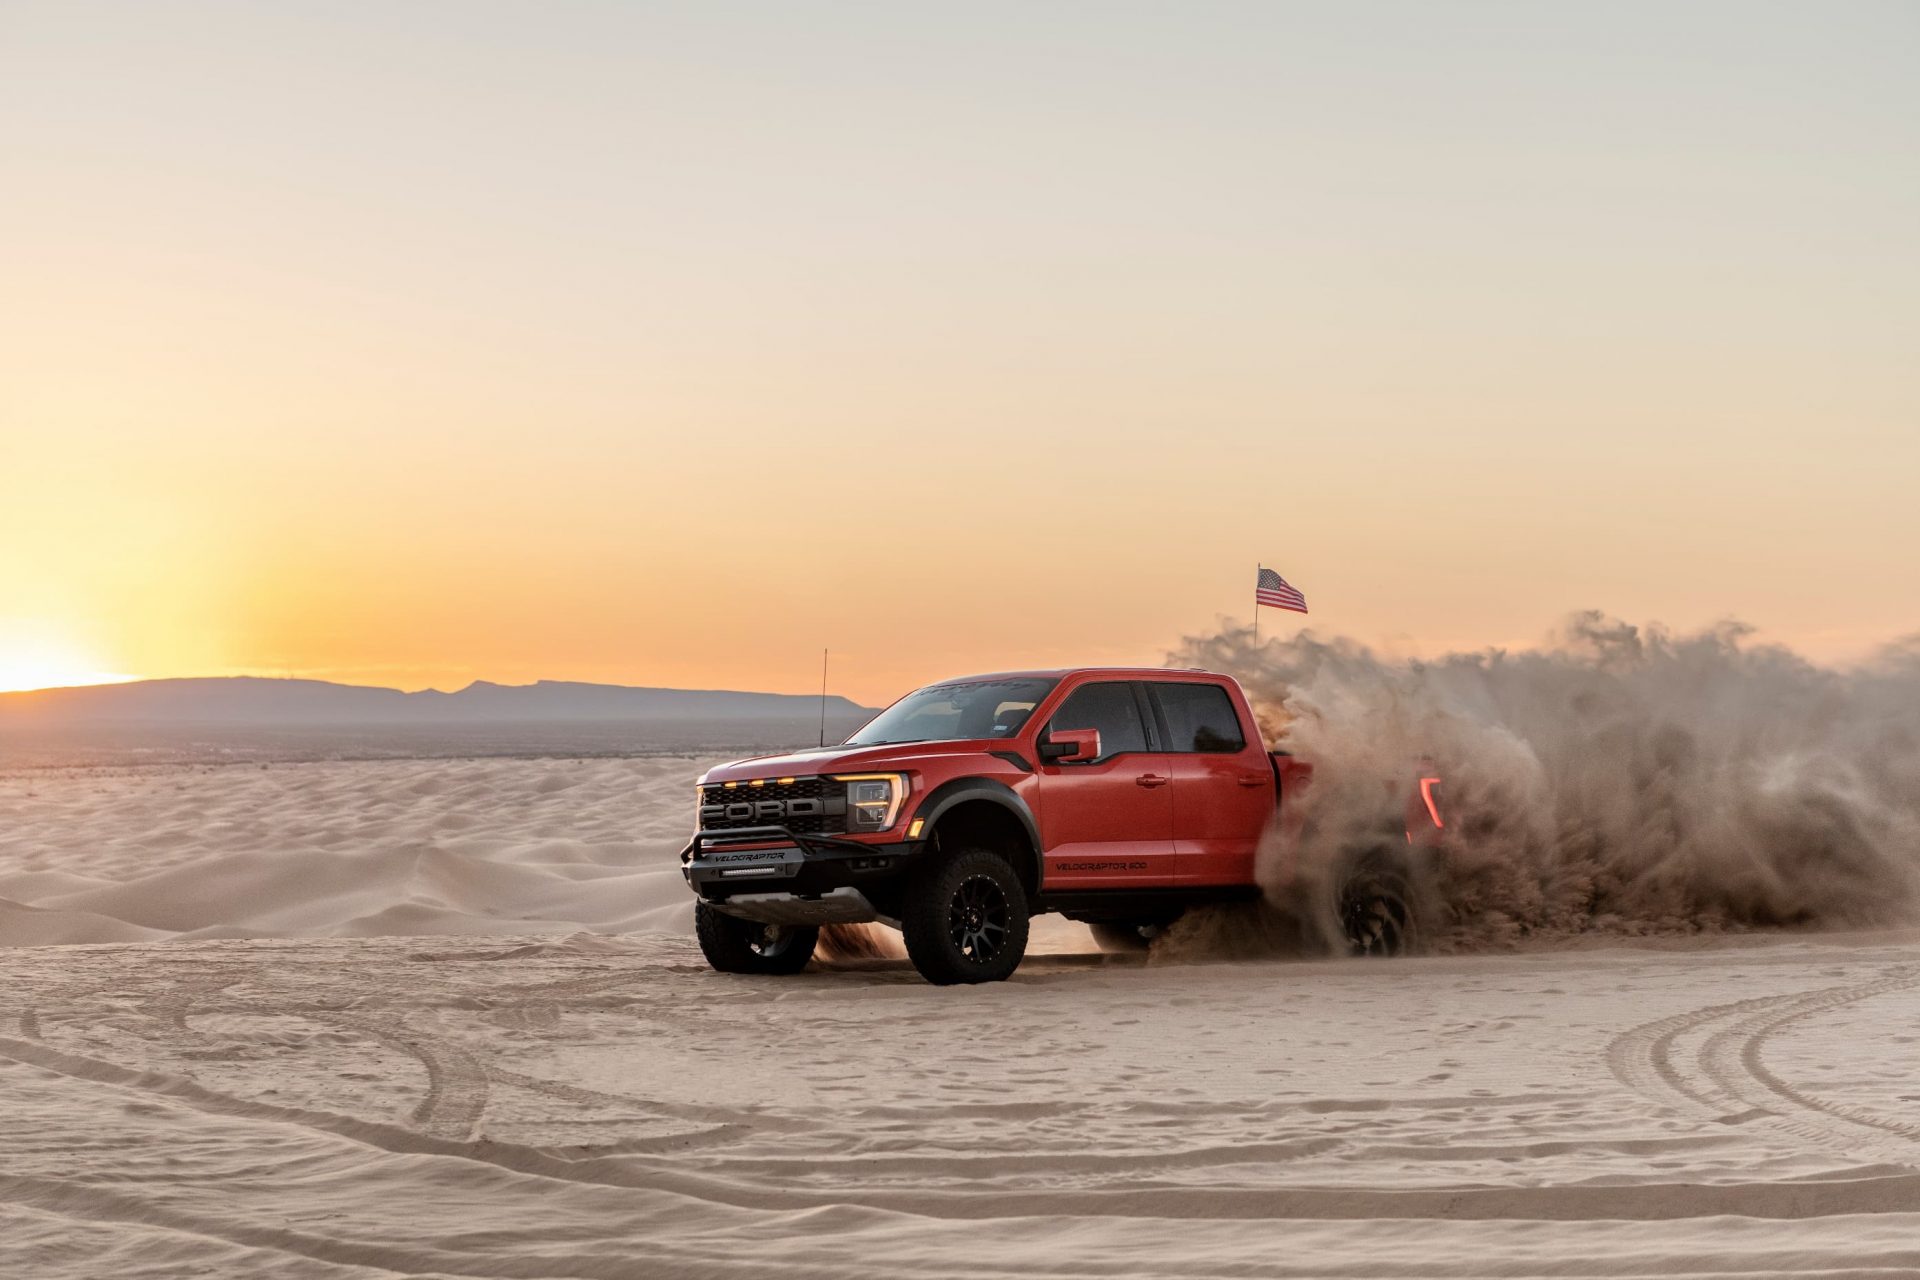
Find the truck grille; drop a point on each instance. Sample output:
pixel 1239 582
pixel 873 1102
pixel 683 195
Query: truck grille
pixel 823 807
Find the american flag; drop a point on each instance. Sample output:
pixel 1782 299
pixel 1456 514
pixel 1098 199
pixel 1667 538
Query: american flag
pixel 1270 588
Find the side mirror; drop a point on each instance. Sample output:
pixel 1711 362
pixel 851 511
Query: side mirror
pixel 1063 746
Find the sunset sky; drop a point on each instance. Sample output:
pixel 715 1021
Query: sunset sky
pixel 665 344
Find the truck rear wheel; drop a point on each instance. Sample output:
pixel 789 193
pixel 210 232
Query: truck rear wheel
pixel 965 919
pixel 733 945
pixel 1373 908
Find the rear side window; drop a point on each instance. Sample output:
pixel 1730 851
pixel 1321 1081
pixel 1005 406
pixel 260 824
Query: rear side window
pixel 1199 718
pixel 1110 708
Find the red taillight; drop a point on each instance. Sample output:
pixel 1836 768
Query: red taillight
pixel 1433 805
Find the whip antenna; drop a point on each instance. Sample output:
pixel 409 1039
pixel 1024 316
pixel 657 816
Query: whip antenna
pixel 823 697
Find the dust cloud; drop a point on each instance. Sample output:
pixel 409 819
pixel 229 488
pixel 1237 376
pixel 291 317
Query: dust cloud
pixel 1620 780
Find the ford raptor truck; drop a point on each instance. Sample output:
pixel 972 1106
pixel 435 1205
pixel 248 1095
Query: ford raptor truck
pixel 1116 797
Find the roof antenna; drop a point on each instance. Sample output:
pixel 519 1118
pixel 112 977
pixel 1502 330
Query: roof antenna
pixel 823 697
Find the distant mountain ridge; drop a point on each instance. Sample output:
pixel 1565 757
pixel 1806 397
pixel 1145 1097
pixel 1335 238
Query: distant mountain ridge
pixel 269 701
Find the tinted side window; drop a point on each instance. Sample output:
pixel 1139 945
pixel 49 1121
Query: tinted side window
pixel 1199 717
pixel 1111 709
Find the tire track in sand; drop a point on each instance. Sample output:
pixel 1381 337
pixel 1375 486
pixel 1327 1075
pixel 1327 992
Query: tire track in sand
pixel 88 1202
pixel 459 1082
pixel 172 1005
pixel 456 1080
pixel 1735 1058
pixel 457 1088
pixel 669 1176
pixel 1727 1079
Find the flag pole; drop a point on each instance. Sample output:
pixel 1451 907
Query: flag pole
pixel 1257 567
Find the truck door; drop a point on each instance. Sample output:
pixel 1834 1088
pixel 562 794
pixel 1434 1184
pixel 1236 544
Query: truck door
pixel 1107 823
pixel 1223 790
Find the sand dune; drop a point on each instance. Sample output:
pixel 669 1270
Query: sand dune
pixel 343 849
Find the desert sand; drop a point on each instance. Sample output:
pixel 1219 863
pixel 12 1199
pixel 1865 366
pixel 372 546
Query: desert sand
pixel 344 849
pixel 290 1052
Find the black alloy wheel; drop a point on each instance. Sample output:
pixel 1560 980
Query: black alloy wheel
pixel 977 919
pixel 965 918
pixel 1375 912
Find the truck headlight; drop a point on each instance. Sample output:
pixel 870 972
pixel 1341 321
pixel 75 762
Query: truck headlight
pixel 873 799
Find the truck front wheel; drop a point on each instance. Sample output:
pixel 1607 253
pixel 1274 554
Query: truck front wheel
pixel 733 945
pixel 965 919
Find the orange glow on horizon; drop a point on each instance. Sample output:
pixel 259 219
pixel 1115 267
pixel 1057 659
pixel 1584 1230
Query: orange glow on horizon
pixel 507 367
pixel 28 666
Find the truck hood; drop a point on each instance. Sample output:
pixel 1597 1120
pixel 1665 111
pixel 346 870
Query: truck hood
pixel 808 761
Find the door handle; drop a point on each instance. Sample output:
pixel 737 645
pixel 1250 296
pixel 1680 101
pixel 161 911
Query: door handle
pixel 1253 780
pixel 1152 780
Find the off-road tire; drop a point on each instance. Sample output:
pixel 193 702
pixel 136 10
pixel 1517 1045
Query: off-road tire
pixel 1374 908
pixel 733 945
pixel 965 919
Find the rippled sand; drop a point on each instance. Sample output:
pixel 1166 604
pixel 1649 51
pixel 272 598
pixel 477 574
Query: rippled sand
pixel 601 1104
pixel 593 1107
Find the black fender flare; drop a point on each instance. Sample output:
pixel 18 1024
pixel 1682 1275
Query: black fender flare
pixel 959 791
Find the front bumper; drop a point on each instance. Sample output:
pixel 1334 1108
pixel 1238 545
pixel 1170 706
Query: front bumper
pixel 761 872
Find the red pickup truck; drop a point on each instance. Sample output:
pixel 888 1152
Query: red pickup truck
pixel 1117 797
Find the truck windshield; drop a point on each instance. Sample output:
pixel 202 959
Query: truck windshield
pixel 953 712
